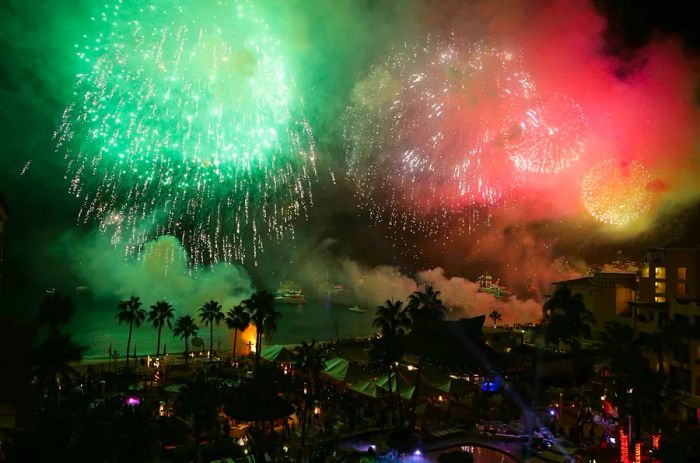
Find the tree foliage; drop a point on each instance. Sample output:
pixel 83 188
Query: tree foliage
pixel 566 318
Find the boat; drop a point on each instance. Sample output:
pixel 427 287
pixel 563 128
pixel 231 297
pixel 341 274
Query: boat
pixel 356 309
pixel 292 297
pixel 335 293
pixel 289 293
pixel 487 285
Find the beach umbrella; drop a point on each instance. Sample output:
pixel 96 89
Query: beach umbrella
pixel 135 387
pixel 367 388
pixel 344 371
pixel 277 353
pixel 174 388
pixel 407 385
pixel 445 382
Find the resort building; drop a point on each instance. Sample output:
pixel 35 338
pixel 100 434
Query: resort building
pixel 605 294
pixel 667 307
pixel 662 305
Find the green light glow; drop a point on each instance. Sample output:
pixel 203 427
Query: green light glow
pixel 185 122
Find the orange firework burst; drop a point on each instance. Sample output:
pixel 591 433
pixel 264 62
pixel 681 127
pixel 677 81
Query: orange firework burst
pixel 617 193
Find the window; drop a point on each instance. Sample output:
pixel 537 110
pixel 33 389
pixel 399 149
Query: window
pixel 660 273
pixel 682 272
pixel 659 299
pixel 645 270
pixel 682 289
pixel 659 287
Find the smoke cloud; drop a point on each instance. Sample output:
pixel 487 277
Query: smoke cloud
pixel 371 286
pixel 162 273
pixel 639 109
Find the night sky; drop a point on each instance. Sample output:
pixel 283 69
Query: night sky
pixel 630 70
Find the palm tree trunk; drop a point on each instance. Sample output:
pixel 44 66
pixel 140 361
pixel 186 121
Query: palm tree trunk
pixel 258 349
pixel 305 420
pixel 158 345
pixel 235 334
pixel 415 392
pixel 398 396
pixel 391 399
pixel 211 341
pixel 128 343
pixel 187 349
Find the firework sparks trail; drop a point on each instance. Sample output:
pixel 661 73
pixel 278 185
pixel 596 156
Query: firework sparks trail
pixel 548 136
pixel 185 122
pixel 617 193
pixel 436 134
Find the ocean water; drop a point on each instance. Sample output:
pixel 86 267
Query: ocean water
pixel 316 319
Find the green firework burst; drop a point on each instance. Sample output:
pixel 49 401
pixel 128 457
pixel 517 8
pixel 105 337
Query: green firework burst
pixel 186 122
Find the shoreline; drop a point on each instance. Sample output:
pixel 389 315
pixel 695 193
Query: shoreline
pixel 98 330
pixel 178 357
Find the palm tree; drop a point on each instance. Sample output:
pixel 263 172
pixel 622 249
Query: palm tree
pixel 618 339
pixel 495 315
pixel 393 321
pixel 51 361
pixel 130 312
pixel 566 318
pixel 55 310
pixel 185 328
pixel 635 389
pixel 237 319
pixel 426 306
pixel 209 314
pixel 659 343
pixel 426 309
pixel 160 315
pixel 309 361
pixel 261 306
